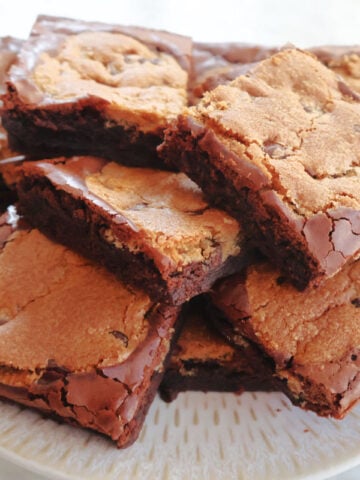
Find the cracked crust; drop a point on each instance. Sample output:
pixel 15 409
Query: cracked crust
pixel 153 228
pixel 122 84
pixel 312 336
pixel 280 146
pixel 202 360
pixel 97 359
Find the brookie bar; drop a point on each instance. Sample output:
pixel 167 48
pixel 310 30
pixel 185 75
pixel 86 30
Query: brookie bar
pixel 313 337
pixel 151 227
pixel 75 343
pixel 91 88
pixel 279 149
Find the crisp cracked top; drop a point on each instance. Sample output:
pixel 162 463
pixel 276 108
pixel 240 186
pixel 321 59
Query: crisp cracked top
pixel 56 307
pixel 298 123
pixel 315 334
pixel 139 86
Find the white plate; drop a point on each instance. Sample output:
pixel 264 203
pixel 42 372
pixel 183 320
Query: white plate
pixel 199 436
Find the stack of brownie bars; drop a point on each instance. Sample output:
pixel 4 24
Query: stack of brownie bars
pixel 146 180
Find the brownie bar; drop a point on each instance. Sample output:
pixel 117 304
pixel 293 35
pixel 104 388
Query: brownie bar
pixel 202 360
pixel 91 88
pixel 279 150
pixel 76 343
pixel 151 227
pixel 312 336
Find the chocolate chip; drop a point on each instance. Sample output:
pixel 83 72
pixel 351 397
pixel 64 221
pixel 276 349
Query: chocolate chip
pixel 120 336
pixel 307 108
pixel 113 69
pixel 274 150
pixel 353 357
pixel 280 280
pixel 356 302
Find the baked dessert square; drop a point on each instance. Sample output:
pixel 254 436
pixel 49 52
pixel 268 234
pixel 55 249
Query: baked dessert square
pixel 91 88
pixel 278 148
pixel 312 337
pixel 202 360
pixel 75 343
pixel 151 227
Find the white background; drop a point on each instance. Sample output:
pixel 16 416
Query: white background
pixel 273 22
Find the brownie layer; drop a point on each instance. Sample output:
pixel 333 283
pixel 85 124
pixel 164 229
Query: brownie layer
pixel 312 336
pixel 152 228
pixel 202 360
pixel 279 150
pixel 82 131
pixel 91 88
pixel 7 196
pixel 74 341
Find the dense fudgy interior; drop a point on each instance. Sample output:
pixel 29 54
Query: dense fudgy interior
pixel 80 131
